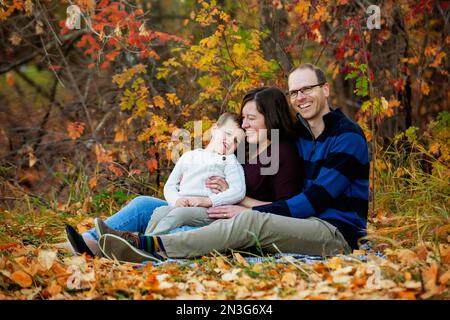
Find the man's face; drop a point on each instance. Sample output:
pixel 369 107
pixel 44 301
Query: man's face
pixel 312 104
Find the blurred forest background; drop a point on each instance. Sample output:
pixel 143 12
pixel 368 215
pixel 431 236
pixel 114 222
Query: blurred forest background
pixel 87 111
pixel 86 114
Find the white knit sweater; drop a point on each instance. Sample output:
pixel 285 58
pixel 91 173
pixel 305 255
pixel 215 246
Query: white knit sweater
pixel 189 176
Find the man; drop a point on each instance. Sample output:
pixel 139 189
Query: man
pixel 335 159
pixel 328 216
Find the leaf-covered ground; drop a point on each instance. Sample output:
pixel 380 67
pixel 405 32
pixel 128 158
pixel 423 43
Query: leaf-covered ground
pixel 30 272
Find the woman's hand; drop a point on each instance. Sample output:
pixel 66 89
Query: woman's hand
pixel 217 184
pixel 225 212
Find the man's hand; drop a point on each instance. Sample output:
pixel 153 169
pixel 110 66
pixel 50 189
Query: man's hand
pixel 217 184
pixel 225 212
pixel 199 202
pixel 182 202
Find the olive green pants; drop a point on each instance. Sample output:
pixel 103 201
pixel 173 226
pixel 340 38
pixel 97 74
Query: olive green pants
pixel 167 218
pixel 251 229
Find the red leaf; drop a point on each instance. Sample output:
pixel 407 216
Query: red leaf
pixel 399 84
pixel 152 165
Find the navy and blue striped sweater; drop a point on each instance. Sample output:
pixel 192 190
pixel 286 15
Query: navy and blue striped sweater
pixel 336 177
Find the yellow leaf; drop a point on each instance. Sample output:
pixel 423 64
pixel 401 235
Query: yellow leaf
pixel 32 159
pixel 119 136
pixel 239 48
pixel 173 99
pixel 424 88
pixel 334 263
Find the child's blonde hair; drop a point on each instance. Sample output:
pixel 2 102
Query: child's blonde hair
pixel 224 117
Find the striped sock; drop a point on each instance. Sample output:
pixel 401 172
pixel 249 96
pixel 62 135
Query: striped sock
pixel 151 244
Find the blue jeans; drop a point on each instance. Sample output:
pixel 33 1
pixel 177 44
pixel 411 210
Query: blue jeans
pixel 134 217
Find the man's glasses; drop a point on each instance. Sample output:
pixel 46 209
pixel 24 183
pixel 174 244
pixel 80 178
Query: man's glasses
pixel 305 90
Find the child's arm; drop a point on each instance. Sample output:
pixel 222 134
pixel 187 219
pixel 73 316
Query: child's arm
pixel 234 176
pixel 204 202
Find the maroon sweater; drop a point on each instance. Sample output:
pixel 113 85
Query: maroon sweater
pixel 284 184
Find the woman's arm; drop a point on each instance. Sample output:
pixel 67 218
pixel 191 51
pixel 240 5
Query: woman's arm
pixel 250 202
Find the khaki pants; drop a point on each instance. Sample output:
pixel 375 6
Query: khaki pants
pixel 167 218
pixel 251 229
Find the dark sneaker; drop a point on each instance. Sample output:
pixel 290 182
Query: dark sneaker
pixel 101 228
pixel 77 241
pixel 116 248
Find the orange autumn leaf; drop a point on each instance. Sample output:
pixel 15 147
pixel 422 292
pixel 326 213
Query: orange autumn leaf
pixel 407 295
pixel 92 183
pixel 75 129
pixel 22 279
pixel 102 155
pixel 424 88
pixel 4 246
pixel 9 79
pixel 119 136
pixel 116 170
pixel 158 101
pixel 152 165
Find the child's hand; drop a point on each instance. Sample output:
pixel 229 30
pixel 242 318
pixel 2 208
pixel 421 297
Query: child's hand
pixel 182 202
pixel 199 202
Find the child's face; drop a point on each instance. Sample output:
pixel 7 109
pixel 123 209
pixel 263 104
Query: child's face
pixel 227 137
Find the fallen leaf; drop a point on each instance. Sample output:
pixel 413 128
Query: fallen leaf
pixel 334 263
pixel 407 295
pixel 411 284
pixel 407 257
pixel 52 290
pixel 75 129
pixel 4 246
pixel 444 278
pixel 240 259
pixel 22 279
pixel 289 279
pixel 46 259
pixel 232 275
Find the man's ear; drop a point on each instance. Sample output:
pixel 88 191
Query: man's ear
pixel 326 90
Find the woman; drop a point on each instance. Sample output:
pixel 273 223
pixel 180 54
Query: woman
pixel 237 227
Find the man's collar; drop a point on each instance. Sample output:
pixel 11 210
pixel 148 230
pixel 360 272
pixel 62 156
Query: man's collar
pixel 330 120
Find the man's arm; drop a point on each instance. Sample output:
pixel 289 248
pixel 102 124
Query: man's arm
pixel 347 161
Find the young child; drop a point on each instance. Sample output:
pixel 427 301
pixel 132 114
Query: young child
pixel 185 190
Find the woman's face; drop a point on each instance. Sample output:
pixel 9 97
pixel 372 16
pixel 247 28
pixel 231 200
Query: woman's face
pixel 253 123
